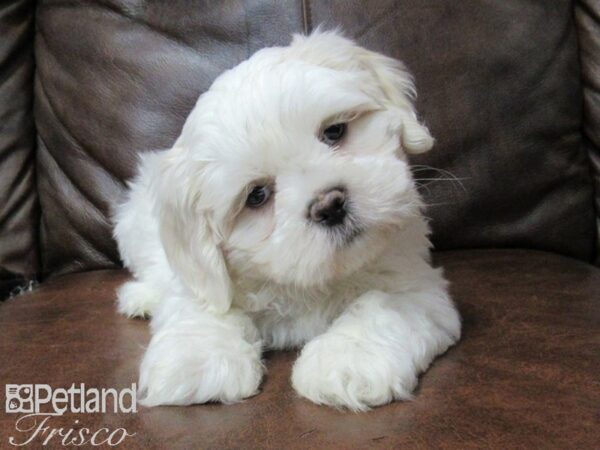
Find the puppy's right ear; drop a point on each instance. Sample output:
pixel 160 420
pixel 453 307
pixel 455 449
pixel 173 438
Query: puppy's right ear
pixel 186 230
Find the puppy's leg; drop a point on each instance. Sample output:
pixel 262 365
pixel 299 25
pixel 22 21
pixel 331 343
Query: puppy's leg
pixel 374 352
pixel 197 357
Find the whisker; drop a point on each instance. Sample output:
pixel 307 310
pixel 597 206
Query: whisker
pixel 426 187
pixel 427 205
pixel 440 179
pixel 447 175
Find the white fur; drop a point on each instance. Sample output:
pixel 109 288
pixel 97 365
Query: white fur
pixel 223 282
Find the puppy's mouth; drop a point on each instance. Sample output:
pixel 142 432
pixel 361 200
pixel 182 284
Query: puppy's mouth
pixel 347 232
pixel 348 237
pixel 333 211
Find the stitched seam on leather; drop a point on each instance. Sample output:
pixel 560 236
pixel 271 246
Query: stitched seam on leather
pixel 247 28
pixel 372 24
pixel 306 16
pixel 585 140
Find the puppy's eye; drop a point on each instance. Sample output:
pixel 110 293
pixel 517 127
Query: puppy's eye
pixel 333 133
pixel 258 196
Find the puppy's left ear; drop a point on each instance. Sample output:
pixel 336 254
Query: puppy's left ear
pixel 395 86
pixel 398 89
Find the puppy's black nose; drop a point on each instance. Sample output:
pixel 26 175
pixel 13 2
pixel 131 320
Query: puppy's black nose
pixel 329 208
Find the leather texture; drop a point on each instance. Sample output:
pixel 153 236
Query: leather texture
pixel 499 87
pixel 588 26
pixel 18 200
pixel 524 376
pixel 119 78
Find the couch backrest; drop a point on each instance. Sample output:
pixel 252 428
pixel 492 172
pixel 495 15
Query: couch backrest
pixel 499 86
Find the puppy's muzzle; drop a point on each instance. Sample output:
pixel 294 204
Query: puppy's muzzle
pixel 329 207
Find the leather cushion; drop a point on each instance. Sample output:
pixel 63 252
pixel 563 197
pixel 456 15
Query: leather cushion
pixel 503 98
pixel 525 374
pixel 19 212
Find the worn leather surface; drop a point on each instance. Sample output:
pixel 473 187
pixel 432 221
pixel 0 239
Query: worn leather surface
pixel 119 78
pixel 588 26
pixel 499 87
pixel 525 374
pixel 18 200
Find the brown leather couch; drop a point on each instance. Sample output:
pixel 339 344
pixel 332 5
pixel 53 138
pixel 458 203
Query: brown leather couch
pixel 511 91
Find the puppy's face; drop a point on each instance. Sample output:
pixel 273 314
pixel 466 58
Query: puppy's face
pixel 291 168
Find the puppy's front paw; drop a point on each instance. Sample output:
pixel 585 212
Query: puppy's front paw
pixel 342 371
pixel 137 299
pixel 179 369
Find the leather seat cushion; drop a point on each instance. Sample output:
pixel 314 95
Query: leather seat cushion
pixel 525 374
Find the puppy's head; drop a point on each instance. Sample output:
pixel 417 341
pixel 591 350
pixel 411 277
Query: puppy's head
pixel 290 169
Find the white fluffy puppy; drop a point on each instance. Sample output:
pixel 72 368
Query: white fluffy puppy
pixel 286 216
